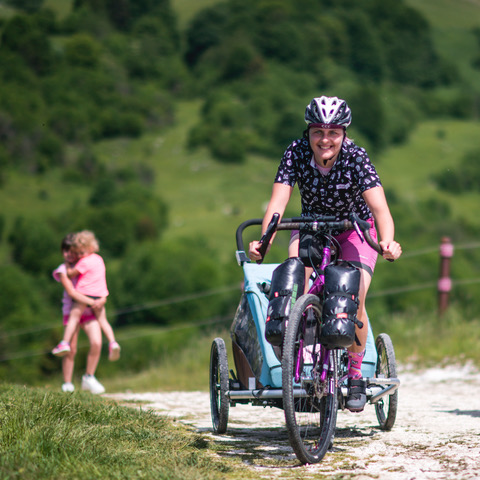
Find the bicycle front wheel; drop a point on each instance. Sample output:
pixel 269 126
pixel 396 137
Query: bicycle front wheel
pixel 309 401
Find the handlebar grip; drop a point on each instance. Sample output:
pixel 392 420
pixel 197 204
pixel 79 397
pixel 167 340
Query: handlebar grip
pixel 376 246
pixel 267 236
pixel 365 227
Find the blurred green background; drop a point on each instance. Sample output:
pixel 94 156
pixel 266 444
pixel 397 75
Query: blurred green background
pixel 159 125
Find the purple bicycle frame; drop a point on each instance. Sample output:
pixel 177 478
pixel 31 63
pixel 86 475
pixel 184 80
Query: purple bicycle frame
pixel 316 289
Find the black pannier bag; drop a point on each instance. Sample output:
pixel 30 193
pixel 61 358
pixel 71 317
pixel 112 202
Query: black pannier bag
pixel 340 305
pixel 288 283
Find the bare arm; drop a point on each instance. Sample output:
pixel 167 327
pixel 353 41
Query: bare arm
pixel 377 203
pixel 279 199
pixel 72 272
pixel 79 297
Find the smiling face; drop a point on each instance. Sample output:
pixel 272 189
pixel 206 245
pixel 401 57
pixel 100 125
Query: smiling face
pixel 70 256
pixel 326 144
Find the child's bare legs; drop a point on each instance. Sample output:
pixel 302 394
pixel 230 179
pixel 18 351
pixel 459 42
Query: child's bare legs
pixel 94 334
pixel 73 321
pixel 113 346
pixel 63 348
pixel 104 325
pixel 68 363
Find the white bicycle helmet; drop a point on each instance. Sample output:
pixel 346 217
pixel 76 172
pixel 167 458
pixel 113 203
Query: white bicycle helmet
pixel 328 112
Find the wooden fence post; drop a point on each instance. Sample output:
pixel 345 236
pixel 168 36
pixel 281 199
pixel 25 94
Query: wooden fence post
pixel 444 281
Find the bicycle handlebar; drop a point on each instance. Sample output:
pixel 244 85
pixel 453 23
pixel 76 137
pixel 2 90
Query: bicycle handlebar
pixel 267 236
pixel 314 224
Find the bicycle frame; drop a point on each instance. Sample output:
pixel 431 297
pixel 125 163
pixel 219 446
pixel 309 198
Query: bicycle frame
pixel 317 288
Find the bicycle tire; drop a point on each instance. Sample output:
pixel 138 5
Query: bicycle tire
pixel 310 421
pixel 386 408
pixel 219 403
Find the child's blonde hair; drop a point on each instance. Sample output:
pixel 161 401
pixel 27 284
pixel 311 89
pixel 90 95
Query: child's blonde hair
pixel 86 240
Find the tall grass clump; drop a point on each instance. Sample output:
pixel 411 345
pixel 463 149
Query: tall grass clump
pixel 47 435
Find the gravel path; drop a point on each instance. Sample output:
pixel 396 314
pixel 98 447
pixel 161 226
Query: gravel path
pixel 436 435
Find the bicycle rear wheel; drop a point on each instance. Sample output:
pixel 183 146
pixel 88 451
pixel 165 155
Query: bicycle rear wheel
pixel 310 418
pixel 386 408
pixel 219 403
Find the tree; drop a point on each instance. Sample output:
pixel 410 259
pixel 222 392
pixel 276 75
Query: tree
pixel 35 246
pixel 162 271
pixel 22 35
pixel 82 50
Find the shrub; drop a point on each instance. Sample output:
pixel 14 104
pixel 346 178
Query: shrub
pixel 82 50
pixel 163 271
pixel 22 35
pixel 114 123
pixel 34 245
pixel 464 178
pixel 120 215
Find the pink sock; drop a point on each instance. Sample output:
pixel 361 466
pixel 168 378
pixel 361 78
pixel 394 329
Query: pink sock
pixel 355 365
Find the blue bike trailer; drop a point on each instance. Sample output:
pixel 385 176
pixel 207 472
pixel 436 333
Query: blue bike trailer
pixel 248 330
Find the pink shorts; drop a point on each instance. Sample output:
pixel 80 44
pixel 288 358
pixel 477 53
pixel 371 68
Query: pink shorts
pixel 85 318
pixel 361 254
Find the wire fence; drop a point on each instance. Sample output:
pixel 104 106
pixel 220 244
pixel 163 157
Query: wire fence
pixel 219 320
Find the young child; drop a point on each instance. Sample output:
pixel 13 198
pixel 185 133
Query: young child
pixel 88 323
pixel 91 282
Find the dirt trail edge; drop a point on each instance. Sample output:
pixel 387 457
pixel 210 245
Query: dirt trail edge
pixel 436 435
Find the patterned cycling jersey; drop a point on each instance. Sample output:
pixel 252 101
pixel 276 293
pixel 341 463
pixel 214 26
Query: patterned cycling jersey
pixel 337 193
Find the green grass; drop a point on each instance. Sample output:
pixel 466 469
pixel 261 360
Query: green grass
pixel 46 435
pixel 455 14
pixel 423 340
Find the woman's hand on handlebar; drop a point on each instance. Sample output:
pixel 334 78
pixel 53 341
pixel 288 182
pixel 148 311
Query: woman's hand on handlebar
pixel 391 250
pixel 253 251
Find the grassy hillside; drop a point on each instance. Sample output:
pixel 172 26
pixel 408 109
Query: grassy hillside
pixel 434 147
pixel 206 198
pixel 452 22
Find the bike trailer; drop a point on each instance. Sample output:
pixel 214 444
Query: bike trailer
pixel 253 355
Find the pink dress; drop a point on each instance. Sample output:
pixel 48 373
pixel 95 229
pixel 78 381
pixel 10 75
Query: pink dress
pixel 67 301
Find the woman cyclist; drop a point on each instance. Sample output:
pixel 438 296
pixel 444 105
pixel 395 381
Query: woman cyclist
pixel 335 177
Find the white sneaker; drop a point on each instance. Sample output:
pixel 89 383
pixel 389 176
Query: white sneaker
pixel 68 387
pixel 90 383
